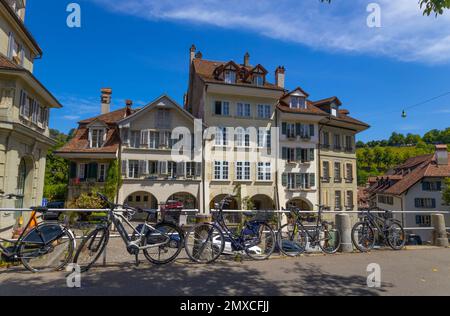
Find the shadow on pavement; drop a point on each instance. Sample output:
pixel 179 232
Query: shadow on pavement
pixel 222 278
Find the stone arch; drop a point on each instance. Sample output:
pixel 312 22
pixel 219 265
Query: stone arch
pixel 301 203
pixel 234 205
pixel 189 200
pixel 142 199
pixel 262 202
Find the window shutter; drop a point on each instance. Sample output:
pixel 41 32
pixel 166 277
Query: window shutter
pixel 92 170
pixel 162 167
pixel 439 185
pixel 298 129
pixel 284 128
pixel 284 179
pixel 23 97
pixel 424 186
pixel 180 169
pixel 311 154
pixel 22 56
pixel 433 203
pixel 284 154
pixel 11 45
pixel 198 169
pixel 312 179
pixel 125 136
pixel 417 203
pixel 298 154
pixel 311 130
pixel 142 168
pixel 124 167
pixel 73 170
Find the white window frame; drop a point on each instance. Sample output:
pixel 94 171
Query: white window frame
pixel 221 137
pixel 153 142
pixel 221 170
pixel 133 169
pixel 229 76
pixel 243 110
pixel 81 171
pixel 102 173
pixel 100 139
pixel 243 171
pixel 264 172
pixel 224 108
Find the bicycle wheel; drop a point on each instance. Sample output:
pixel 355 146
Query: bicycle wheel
pixel 260 241
pixel 329 239
pixel 91 248
pixel 291 240
pixel 47 247
pixel 396 236
pixel 363 236
pixel 204 243
pixel 170 241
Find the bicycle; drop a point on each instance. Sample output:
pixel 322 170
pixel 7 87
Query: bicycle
pixel 45 247
pixel 205 242
pixel 294 238
pixel 390 231
pixel 161 244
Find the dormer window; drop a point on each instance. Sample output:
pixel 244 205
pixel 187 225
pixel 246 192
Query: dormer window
pixel 334 110
pixel 97 137
pixel 229 76
pixel 258 80
pixel 15 51
pixel 298 102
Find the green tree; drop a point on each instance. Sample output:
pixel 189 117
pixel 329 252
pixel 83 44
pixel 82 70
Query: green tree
pixel 113 181
pixel 57 169
pixel 428 6
pixel 446 191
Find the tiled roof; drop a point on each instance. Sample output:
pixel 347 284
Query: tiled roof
pixel 111 117
pixel 205 69
pixel 311 109
pixel 80 142
pixel 409 173
pixel 8 64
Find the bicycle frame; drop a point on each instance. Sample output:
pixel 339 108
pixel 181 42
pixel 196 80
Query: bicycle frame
pixel 118 219
pixel 316 237
pixel 17 242
pixel 375 221
pixel 237 242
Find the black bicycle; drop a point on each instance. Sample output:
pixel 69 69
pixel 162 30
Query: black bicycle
pixel 42 248
pixel 161 243
pixel 205 242
pixel 294 237
pixel 389 230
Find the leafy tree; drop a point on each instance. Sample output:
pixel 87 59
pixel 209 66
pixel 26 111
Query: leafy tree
pixel 396 139
pixel 446 191
pixel 429 6
pixel 113 181
pixel 57 170
pixel 412 139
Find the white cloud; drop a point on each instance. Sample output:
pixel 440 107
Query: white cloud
pixel 71 117
pixel 405 33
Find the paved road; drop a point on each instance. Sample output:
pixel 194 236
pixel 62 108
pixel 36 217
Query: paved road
pixel 410 272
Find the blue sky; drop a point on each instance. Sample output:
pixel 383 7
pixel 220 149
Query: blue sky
pixel 140 50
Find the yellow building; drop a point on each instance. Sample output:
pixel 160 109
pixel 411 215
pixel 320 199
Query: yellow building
pixel 337 156
pixel 24 112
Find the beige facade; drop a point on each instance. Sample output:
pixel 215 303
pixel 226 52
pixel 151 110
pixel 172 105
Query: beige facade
pixel 153 172
pixel 24 114
pixel 338 169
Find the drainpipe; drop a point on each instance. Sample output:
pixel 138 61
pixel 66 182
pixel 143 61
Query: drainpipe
pixel 277 194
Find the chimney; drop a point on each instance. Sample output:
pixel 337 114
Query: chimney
pixel 198 55
pixel 106 100
pixel 442 155
pixel 280 76
pixel 247 59
pixel 128 103
pixel 192 53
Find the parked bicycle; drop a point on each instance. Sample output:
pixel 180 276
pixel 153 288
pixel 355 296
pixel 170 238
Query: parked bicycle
pixel 42 248
pixel 160 244
pixel 389 230
pixel 294 237
pixel 205 242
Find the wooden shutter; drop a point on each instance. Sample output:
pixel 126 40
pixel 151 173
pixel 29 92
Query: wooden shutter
pixel 180 169
pixel 311 130
pixel 311 154
pixel 284 128
pixel 92 170
pixel 312 179
pixel 284 154
pixel 73 170
pixel 284 179
pixel 198 169
pixel 142 168
pixel 162 167
pixel 298 154
pixel 11 45
pixel 298 129
pixel 124 167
